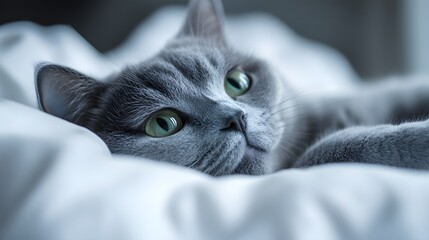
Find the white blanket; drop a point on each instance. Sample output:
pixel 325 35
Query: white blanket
pixel 58 181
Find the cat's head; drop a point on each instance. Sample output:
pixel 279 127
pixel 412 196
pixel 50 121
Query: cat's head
pixel 198 103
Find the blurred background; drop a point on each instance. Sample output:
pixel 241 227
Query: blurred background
pixel 379 37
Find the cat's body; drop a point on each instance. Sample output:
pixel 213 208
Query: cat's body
pixel 201 104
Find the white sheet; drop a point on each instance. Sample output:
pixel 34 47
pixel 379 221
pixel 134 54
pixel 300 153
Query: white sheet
pixel 58 181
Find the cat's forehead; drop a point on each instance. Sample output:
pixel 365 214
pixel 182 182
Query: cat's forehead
pixel 170 79
pixel 182 68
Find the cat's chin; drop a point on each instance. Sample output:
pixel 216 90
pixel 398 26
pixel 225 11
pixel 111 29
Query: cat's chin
pixel 253 162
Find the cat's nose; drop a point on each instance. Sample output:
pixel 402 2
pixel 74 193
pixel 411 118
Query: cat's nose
pixel 235 122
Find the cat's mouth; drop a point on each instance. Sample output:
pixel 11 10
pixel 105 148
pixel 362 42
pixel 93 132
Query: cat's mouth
pixel 253 161
pixel 251 143
pixel 251 147
pixel 246 156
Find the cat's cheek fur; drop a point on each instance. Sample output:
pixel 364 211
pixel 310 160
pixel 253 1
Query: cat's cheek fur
pixel 218 155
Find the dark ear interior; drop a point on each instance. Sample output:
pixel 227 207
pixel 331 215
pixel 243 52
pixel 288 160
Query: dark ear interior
pixel 205 19
pixel 66 93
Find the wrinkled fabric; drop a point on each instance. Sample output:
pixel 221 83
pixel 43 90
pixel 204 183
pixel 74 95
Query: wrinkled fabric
pixel 59 181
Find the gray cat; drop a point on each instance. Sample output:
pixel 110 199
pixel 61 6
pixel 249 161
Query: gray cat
pixel 201 104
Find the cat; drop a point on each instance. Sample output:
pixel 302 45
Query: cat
pixel 201 104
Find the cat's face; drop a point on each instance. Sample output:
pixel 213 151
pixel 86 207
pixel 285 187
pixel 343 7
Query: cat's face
pixel 198 103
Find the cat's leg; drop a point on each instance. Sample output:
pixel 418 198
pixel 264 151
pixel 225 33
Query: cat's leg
pixel 405 145
pixel 390 102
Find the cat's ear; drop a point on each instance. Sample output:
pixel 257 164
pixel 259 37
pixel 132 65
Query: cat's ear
pixel 205 19
pixel 66 93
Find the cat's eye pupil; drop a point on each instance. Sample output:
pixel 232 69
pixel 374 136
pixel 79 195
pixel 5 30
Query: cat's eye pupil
pixel 163 123
pixel 236 83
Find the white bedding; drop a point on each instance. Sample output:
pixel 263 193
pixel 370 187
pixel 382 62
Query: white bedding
pixel 59 181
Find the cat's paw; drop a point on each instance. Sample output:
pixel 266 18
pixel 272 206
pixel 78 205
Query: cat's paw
pixel 349 145
pixel 405 145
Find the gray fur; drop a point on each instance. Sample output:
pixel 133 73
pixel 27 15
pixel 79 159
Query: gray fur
pixel 280 129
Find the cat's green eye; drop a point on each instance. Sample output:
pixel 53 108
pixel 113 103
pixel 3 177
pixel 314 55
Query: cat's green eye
pixel 236 83
pixel 163 123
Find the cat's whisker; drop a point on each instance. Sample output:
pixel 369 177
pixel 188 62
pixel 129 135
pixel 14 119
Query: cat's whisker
pixel 300 96
pixel 285 124
pixel 290 104
pixel 302 144
pixel 197 163
pixel 278 105
pixel 288 151
pixel 285 121
pixel 299 147
pixel 282 110
pixel 280 132
pixel 295 108
pixel 192 165
pixel 292 118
